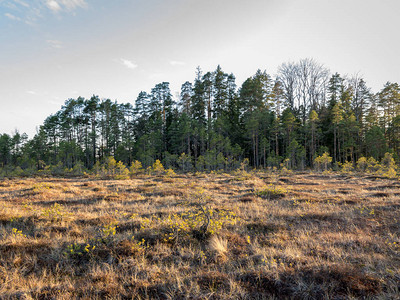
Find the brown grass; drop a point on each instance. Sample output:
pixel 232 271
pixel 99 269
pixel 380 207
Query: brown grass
pixel 326 237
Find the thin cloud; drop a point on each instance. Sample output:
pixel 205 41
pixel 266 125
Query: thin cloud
pixel 12 17
pixel 53 5
pixel 176 63
pixel 56 44
pixel 31 92
pixel 73 4
pixel 129 64
pixel 30 12
pixel 21 3
pixel 59 5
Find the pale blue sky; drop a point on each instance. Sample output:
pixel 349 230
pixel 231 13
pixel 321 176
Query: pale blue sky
pixel 52 50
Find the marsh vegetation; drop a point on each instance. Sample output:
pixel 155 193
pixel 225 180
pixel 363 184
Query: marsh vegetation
pixel 240 235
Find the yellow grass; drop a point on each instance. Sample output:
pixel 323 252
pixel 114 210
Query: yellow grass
pixel 213 236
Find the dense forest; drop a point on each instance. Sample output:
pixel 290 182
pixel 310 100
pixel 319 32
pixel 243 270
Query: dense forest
pixel 291 118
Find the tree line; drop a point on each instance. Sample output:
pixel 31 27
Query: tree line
pixel 291 118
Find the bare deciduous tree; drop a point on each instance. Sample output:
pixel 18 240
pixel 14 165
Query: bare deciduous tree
pixel 304 85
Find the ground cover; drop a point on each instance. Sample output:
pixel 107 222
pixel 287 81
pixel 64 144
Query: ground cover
pixel 242 235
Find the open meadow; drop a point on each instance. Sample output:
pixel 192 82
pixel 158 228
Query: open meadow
pixel 201 236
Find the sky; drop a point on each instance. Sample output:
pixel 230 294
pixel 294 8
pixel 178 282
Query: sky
pixel 54 50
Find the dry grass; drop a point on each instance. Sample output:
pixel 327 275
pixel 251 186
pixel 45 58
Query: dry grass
pixel 207 236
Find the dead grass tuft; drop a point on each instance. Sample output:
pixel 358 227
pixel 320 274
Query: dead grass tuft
pixel 218 245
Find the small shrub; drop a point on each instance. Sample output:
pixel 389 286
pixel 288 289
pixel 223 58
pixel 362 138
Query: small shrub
pixel 78 169
pixel 185 162
pixel 18 172
pixel 347 167
pixel 113 169
pixel 121 172
pixel 323 160
pixel 362 164
pixel 388 161
pixel 372 165
pixel 388 166
pixel 169 173
pixel 158 168
pixel 135 168
pixel 390 173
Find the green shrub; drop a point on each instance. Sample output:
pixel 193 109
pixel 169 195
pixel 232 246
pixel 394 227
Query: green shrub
pixel 347 167
pixel 158 168
pixel 372 165
pixel 388 166
pixel 362 164
pixel 169 172
pixel 136 168
pixel 121 172
pixel 323 160
pixel 111 169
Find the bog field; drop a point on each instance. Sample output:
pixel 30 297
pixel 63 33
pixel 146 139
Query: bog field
pixel 201 236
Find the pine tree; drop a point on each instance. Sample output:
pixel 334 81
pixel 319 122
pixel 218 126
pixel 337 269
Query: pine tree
pixel 337 117
pixel 313 124
pixel 220 91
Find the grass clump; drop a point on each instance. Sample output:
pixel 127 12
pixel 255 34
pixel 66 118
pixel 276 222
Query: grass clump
pixel 271 192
